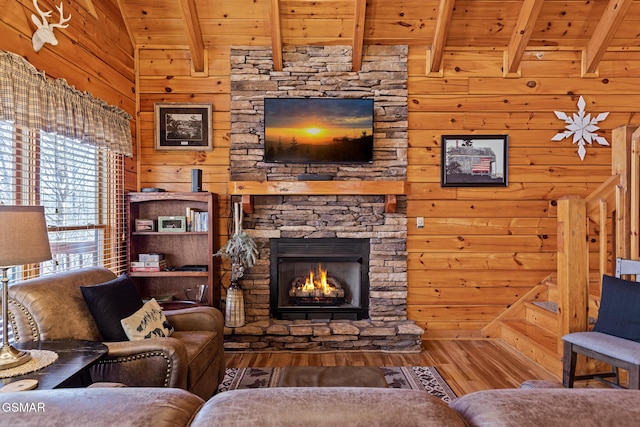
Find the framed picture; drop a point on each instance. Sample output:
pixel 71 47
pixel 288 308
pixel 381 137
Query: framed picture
pixel 183 126
pixel 172 224
pixel 144 225
pixel 474 160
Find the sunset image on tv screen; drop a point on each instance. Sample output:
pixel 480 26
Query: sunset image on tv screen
pixel 318 130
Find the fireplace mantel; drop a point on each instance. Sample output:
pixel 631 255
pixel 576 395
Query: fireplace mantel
pixel 389 189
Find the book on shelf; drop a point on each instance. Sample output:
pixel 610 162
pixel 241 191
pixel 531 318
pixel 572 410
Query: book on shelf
pixel 162 263
pixel 139 266
pixel 150 257
pixel 197 220
pixel 147 269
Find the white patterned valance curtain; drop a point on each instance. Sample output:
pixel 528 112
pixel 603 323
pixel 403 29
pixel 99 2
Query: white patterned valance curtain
pixel 29 99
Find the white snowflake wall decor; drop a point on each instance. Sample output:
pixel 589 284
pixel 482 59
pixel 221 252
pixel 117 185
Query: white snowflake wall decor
pixel 581 127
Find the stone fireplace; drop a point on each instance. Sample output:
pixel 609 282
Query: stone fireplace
pixel 319 279
pixel 308 221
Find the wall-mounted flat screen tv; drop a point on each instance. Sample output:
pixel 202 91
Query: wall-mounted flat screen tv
pixel 318 130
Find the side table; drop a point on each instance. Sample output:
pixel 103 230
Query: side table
pixel 178 304
pixel 71 367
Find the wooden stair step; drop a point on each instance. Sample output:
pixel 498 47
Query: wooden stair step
pixel 536 343
pixel 545 339
pixel 552 291
pixel 543 314
pixel 546 306
pixel 594 294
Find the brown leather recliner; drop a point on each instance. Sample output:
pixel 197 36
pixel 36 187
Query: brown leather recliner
pixel 192 358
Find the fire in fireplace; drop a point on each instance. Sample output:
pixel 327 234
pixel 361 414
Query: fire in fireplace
pixel 324 278
pixel 318 288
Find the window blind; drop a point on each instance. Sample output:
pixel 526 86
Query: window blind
pixel 81 187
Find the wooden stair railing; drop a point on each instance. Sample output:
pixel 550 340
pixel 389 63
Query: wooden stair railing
pixel 532 325
pixel 615 202
pixel 573 266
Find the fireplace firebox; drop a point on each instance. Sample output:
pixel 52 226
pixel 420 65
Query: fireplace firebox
pixel 319 279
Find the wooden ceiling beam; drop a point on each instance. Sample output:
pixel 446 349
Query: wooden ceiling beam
pixel 194 35
pixel 276 34
pixel 435 53
pixel 132 37
pixel 527 18
pixel 89 7
pixel 358 34
pixel 603 34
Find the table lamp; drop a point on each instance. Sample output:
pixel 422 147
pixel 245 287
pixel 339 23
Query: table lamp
pixel 23 240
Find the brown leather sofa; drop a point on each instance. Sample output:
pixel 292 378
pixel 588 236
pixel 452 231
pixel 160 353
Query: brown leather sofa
pixel 321 407
pixel 192 358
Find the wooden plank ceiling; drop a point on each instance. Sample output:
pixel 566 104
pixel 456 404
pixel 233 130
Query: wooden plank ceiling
pixel 592 27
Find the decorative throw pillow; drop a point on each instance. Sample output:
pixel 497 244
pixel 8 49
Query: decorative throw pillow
pixel 111 301
pixel 619 313
pixel 148 322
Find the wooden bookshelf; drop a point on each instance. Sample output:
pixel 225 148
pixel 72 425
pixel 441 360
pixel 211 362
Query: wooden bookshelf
pixel 179 248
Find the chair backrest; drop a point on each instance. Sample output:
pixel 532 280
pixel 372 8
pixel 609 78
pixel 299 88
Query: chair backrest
pixel 52 307
pixel 628 266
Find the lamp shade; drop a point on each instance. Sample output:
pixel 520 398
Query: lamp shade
pixel 23 235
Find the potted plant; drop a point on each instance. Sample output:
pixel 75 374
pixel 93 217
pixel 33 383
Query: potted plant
pixel 241 250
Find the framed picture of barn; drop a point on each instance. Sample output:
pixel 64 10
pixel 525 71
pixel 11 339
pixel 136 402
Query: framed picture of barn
pixel 474 160
pixel 183 126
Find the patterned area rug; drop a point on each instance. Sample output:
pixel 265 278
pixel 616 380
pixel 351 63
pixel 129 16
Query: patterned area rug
pixel 422 378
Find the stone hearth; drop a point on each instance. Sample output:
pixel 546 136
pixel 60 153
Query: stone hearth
pixel 279 335
pixel 325 72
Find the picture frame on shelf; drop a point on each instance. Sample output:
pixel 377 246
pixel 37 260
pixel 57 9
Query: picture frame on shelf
pixel 474 160
pixel 180 126
pixel 145 225
pixel 172 224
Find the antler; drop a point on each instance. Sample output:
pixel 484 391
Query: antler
pixel 62 18
pixel 44 33
pixel 43 15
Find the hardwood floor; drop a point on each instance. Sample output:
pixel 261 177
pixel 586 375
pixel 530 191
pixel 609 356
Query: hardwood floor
pixel 466 365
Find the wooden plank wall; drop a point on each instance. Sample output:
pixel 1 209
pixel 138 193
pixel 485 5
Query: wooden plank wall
pixel 164 75
pixel 93 54
pixel 481 248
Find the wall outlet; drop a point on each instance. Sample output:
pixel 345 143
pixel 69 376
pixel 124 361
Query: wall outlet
pixel 420 222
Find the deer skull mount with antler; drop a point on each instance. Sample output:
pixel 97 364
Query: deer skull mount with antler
pixel 44 33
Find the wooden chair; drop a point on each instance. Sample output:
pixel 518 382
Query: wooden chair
pixel 620 353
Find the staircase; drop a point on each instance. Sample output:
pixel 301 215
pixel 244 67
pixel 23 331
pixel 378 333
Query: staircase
pixel 533 331
pixel 530 326
pixel 568 300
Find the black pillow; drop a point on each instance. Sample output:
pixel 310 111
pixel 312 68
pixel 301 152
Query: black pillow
pixel 619 313
pixel 111 301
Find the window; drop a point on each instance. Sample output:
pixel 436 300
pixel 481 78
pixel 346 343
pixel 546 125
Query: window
pixel 80 186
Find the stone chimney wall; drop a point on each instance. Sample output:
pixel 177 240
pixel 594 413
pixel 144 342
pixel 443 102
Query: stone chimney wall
pixel 325 72
pixel 319 72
